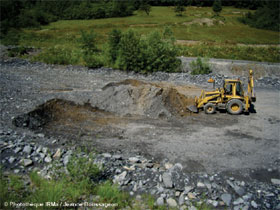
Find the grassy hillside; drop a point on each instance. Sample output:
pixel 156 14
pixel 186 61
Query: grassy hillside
pixel 220 35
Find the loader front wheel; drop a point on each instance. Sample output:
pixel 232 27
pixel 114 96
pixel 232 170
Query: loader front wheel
pixel 209 108
pixel 234 106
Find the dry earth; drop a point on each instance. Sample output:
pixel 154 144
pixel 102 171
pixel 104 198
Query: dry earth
pixel 98 109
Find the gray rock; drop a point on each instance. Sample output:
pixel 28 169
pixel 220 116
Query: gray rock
pixel 275 181
pixel 66 159
pixel 187 189
pixel 134 160
pixel 39 149
pixel 192 208
pixel 48 159
pixel 27 162
pixel 27 149
pixel 181 199
pixel 238 190
pixel 16 171
pixel 167 180
pixel 226 198
pixel 200 185
pixel 11 160
pixel 17 150
pixel 254 204
pixel 238 201
pixel 42 155
pixel 117 157
pixel 45 150
pixel 160 201
pixel 215 203
pixel 41 135
pixel 160 178
pixel 106 155
pixel 120 178
pixel 171 202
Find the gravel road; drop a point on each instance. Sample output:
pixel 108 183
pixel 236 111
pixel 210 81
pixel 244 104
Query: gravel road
pixel 246 145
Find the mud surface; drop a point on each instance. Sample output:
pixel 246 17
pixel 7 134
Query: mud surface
pixel 104 111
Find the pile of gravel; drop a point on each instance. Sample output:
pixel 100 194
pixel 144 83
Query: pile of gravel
pixel 138 175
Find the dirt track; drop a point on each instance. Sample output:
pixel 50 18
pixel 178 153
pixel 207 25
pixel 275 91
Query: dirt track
pixel 245 145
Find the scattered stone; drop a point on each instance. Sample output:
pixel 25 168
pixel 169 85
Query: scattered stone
pixel 11 160
pixel 27 162
pixel 238 201
pixel 17 150
pixel 187 189
pixel 192 208
pixel 41 135
pixel 167 181
pixel 39 149
pixel 200 185
pixel 57 154
pixel 27 150
pixel 254 204
pixel 48 159
pixel 120 178
pixel 168 165
pixel 226 198
pixel 16 171
pixel 66 159
pixel 171 202
pixel 181 199
pixel 191 196
pixel 45 150
pixel 106 155
pixel 275 181
pixel 134 160
pixel 117 157
pixel 160 201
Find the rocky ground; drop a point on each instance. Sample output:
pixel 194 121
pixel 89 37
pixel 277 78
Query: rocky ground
pixel 48 111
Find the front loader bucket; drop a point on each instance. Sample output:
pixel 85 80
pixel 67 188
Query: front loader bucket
pixel 193 109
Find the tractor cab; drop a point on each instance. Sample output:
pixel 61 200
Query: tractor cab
pixel 233 88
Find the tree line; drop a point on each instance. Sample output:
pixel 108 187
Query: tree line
pixel 33 13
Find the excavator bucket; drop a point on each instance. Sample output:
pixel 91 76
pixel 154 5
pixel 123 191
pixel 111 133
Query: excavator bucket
pixel 193 108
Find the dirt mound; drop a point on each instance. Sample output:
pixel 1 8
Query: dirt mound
pixel 134 97
pixel 61 116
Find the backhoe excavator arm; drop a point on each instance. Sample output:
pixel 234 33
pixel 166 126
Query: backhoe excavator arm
pixel 251 91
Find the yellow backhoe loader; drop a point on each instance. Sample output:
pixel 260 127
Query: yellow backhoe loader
pixel 230 97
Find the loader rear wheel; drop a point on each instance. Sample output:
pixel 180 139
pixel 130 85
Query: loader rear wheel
pixel 209 108
pixel 234 106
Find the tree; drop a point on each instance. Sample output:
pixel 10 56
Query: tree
pixel 217 6
pixel 145 6
pixel 179 9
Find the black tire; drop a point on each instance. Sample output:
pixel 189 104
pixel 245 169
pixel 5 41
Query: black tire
pixel 209 108
pixel 235 106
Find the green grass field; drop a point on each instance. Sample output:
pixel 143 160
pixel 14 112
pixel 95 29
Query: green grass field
pixel 223 33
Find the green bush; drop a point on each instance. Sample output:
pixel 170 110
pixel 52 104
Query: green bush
pixel 114 40
pixel 217 6
pixel 266 17
pixel 200 66
pixel 57 55
pixel 147 54
pixel 90 51
pixel 17 51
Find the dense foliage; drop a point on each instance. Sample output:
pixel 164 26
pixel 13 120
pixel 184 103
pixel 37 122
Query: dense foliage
pixel 147 54
pixel 217 6
pixel 266 17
